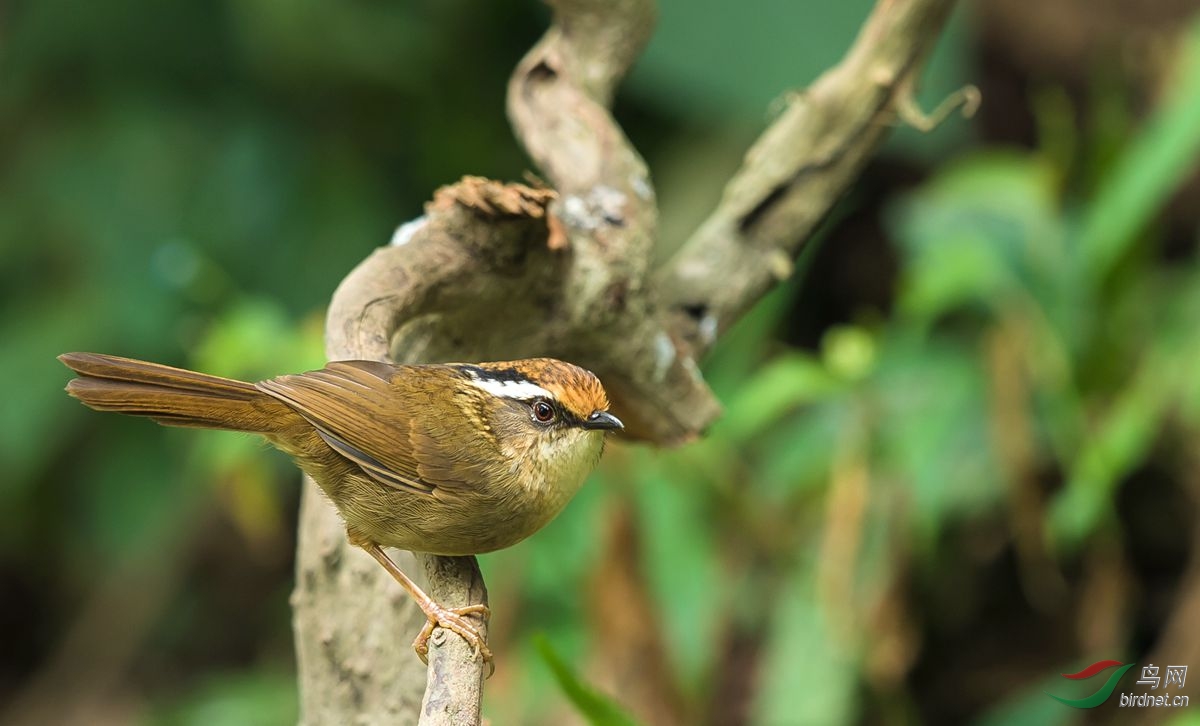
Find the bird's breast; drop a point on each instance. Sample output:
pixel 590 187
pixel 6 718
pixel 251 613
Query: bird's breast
pixel 518 495
pixel 545 476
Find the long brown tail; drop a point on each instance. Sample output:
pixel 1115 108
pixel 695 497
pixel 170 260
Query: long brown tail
pixel 173 396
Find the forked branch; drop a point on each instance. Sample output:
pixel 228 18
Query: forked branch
pixel 498 271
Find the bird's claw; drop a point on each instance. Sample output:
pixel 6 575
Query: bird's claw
pixel 455 620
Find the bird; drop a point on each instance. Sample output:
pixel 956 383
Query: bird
pixel 446 458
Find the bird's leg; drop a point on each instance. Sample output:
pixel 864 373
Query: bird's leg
pixel 438 616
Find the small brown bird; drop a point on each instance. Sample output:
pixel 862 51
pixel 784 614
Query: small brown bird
pixel 449 459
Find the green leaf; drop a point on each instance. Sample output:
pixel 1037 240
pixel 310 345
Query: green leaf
pixel 254 338
pixel 598 709
pixel 944 278
pixel 1179 331
pixel 808 677
pixel 788 381
pixel 931 432
pixel 681 560
pixel 985 225
pixel 848 352
pixel 796 454
pixel 1119 443
pixel 1028 707
pixel 1152 166
pixel 1188 718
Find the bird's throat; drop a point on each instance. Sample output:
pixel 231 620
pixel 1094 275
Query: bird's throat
pixel 552 470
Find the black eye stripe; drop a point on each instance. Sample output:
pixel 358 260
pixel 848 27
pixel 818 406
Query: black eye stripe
pixel 563 415
pixel 499 375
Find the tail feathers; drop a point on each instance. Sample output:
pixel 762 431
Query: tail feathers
pixel 97 365
pixel 172 396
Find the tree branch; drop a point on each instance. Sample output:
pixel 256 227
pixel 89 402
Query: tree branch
pixel 794 174
pixel 558 102
pixel 499 272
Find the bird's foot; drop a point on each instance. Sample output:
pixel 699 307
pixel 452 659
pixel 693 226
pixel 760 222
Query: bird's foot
pixel 438 616
pixel 455 620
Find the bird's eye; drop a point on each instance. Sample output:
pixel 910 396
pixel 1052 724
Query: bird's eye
pixel 543 412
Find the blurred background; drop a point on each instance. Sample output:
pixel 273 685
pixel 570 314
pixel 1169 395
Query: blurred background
pixel 960 454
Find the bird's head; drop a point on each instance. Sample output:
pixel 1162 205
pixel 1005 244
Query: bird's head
pixel 545 409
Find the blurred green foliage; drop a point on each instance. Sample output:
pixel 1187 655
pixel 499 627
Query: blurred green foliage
pixel 597 708
pixel 253 698
pixel 188 182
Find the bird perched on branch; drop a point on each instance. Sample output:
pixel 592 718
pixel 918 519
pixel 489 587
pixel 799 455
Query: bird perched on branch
pixel 449 459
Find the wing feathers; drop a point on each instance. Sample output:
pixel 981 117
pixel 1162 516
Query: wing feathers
pixel 357 411
pixel 373 467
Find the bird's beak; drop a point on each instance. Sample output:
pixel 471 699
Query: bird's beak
pixel 603 421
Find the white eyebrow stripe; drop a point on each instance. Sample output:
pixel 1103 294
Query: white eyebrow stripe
pixel 520 390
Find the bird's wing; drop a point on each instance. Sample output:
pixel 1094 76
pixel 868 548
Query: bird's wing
pixel 398 438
